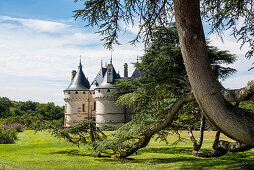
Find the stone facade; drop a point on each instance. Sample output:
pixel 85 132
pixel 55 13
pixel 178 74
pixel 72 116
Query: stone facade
pixel 79 105
pixel 107 111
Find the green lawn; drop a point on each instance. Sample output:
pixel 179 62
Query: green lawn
pixel 41 151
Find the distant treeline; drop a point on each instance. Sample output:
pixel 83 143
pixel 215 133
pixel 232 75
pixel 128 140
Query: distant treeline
pixel 29 112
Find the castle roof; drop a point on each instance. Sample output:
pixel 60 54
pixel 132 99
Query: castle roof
pixel 99 77
pixel 105 84
pixel 79 82
pixel 137 73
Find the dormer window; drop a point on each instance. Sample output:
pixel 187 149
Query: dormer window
pixel 76 92
pixel 84 92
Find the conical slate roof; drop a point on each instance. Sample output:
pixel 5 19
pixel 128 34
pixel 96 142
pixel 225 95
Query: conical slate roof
pixel 79 82
pixel 137 73
pixel 99 77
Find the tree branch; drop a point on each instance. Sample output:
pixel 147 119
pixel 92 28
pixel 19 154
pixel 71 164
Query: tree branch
pixel 149 132
pixel 221 147
pixel 239 95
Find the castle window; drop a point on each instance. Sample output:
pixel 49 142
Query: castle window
pixel 99 91
pixel 76 92
pixel 108 90
pixel 69 92
pixel 83 107
pixel 65 108
pixel 94 105
pixel 84 92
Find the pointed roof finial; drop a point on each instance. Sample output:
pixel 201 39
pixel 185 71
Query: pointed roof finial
pixel 111 58
pixel 80 65
pixel 137 58
pixel 101 63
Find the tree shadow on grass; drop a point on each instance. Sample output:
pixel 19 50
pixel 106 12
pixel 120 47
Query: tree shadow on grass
pixel 72 152
pixel 187 161
pixel 167 150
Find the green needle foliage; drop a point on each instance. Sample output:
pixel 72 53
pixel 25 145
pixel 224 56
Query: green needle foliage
pixel 165 80
pixel 85 132
pixel 153 95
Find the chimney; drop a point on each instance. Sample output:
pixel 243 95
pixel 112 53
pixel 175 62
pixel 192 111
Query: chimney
pixel 125 70
pixel 73 73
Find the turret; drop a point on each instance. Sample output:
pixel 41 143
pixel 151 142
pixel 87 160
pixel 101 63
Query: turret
pixel 78 100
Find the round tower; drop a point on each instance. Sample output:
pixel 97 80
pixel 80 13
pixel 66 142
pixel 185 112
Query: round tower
pixel 78 100
pixel 107 112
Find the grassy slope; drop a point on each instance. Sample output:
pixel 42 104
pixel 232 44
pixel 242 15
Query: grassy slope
pixel 41 151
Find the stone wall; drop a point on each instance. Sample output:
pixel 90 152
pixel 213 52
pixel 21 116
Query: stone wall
pixel 79 105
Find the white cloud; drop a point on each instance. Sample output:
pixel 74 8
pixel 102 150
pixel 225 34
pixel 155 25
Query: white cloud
pixel 38 25
pixel 37 57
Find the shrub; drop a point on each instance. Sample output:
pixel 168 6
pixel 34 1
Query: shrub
pixel 18 127
pixel 8 134
pixel 3 120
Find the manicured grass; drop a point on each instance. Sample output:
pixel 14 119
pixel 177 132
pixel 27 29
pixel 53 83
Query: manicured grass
pixel 41 151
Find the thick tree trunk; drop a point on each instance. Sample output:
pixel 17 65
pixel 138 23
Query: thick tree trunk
pixel 232 121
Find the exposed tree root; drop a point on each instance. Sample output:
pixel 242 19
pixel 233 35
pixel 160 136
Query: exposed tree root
pixel 220 147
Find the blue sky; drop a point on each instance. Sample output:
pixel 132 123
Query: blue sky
pixel 40 44
pixel 40 9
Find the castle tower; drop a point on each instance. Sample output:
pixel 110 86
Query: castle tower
pixel 79 103
pixel 107 112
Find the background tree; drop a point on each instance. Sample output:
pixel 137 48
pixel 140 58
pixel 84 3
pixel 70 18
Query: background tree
pixel 29 112
pixel 5 105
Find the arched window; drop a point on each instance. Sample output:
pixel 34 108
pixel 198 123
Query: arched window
pixel 76 92
pixel 99 91
pixel 69 92
pixel 108 90
pixel 84 92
